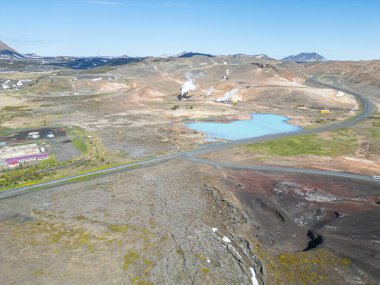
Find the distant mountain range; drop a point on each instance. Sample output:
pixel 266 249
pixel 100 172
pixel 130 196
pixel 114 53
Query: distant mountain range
pixel 191 54
pixel 305 57
pixel 8 52
pixel 262 56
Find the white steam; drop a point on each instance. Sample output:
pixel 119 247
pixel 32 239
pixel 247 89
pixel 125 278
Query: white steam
pixel 210 91
pixel 189 84
pixel 226 76
pixel 228 95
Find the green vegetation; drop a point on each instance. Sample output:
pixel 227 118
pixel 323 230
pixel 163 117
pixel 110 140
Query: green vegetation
pixel 345 262
pixel 10 113
pixel 375 133
pixel 135 280
pixel 51 169
pixel 80 145
pixel 24 175
pixel 79 139
pixel 318 266
pixel 27 176
pixel 80 218
pixel 61 84
pixel 369 134
pixel 337 143
pixel 310 268
pixel 119 228
pixel 78 179
pixel 50 162
pixel 130 258
pixel 98 70
pixel 16 108
pixel 38 272
pixel 58 236
pixel 6 131
pixel 148 262
pixel 107 166
pixel 70 237
pixel 64 235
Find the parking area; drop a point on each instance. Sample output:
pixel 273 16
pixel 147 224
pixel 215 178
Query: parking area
pixel 31 146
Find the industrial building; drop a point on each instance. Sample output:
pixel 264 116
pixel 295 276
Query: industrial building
pixel 12 156
pixel 15 161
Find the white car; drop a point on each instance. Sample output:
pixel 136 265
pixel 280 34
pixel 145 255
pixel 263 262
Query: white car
pixel 375 177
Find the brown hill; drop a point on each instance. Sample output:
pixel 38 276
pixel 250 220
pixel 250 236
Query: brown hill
pixel 8 53
pixel 4 46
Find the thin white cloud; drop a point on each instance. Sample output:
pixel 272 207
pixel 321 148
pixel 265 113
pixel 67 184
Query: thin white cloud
pixel 176 4
pixel 31 41
pixel 169 4
pixel 105 2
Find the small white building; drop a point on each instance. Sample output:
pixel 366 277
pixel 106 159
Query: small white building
pixel 34 135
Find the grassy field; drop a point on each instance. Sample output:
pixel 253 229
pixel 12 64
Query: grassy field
pixel 8 131
pixel 371 131
pixel 79 139
pixel 338 143
pixel 81 145
pixel 27 176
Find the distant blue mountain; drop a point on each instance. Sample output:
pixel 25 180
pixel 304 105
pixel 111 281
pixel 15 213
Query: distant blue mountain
pixel 191 54
pixel 305 57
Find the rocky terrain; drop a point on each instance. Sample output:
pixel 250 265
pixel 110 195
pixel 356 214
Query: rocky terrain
pixel 300 214
pixel 180 222
pixel 159 225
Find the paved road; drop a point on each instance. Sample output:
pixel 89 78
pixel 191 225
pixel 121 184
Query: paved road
pixel 282 169
pixel 368 108
pixel 26 189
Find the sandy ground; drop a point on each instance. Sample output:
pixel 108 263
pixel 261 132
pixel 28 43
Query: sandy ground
pixel 135 110
pixel 8 101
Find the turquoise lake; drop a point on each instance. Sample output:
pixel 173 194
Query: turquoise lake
pixel 259 125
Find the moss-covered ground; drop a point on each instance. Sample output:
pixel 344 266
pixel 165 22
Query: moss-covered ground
pixel 338 143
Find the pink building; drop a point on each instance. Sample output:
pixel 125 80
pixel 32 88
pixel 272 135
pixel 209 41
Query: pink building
pixel 15 161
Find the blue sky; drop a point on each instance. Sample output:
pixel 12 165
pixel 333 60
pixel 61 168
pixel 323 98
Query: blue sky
pixel 337 29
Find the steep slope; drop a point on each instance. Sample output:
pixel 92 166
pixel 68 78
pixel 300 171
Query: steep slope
pixel 8 52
